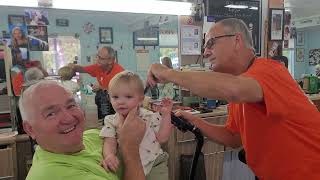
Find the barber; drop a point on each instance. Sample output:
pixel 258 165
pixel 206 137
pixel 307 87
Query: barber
pixel 268 113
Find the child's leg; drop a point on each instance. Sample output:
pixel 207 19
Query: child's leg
pixel 160 170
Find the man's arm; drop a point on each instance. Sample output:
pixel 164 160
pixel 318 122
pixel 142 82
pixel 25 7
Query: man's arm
pixel 77 68
pixel 130 136
pixel 217 133
pixel 213 85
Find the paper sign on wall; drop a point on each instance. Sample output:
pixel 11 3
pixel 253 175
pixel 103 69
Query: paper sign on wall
pixel 142 60
pixel 190 40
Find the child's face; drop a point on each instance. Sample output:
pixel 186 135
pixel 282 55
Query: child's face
pixel 124 98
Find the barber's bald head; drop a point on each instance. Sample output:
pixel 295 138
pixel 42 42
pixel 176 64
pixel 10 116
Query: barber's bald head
pixel 233 26
pixel 229 46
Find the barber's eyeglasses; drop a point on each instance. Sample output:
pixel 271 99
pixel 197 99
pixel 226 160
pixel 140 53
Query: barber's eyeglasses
pixel 104 59
pixel 210 43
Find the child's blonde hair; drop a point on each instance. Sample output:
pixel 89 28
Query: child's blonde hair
pixel 128 77
pixel 66 73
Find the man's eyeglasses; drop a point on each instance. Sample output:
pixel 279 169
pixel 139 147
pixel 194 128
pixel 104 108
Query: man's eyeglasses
pixel 104 59
pixel 213 40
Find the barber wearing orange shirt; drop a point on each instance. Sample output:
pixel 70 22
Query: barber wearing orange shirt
pixel 268 113
pixel 104 69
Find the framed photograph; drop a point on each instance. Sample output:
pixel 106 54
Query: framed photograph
pixel 62 22
pixel 300 55
pixel 36 17
pixel 38 38
pixel 300 38
pixel 105 35
pixel 276 26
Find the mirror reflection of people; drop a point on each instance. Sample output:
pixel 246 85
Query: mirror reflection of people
pixel 126 90
pixel 18 38
pixel 268 114
pixel 19 67
pixel 166 90
pixel 55 121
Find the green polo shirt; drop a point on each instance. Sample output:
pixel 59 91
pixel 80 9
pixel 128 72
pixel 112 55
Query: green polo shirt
pixel 83 165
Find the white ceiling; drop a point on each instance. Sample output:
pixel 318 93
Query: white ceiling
pixel 303 8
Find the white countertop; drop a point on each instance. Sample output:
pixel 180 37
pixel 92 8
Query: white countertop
pixel 314 96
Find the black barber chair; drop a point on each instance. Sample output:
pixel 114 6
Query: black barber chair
pixel 103 103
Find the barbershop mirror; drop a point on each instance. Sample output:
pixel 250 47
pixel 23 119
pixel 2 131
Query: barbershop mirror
pixel 56 37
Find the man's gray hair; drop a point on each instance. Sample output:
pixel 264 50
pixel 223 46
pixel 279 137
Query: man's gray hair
pixel 111 51
pixel 28 94
pixel 33 74
pixel 234 25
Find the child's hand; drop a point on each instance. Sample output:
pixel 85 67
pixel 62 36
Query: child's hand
pixel 166 107
pixel 110 163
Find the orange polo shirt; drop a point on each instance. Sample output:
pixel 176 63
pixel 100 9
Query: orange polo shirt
pixel 281 135
pixel 103 77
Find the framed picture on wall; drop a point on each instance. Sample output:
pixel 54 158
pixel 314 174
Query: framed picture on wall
pixel 276 27
pixel 300 55
pixel 105 35
pixel 300 38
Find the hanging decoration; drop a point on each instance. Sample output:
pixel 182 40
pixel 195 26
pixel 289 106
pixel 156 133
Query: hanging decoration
pixel 88 27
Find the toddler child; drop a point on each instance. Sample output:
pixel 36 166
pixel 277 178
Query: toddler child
pixel 126 93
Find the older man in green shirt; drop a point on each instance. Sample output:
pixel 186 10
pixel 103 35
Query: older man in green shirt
pixel 53 118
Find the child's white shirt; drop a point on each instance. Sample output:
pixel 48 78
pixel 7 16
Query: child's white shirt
pixel 149 148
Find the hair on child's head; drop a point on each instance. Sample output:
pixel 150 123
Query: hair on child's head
pixel 129 78
pixel 66 73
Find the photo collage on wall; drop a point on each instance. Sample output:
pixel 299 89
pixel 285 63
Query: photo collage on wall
pixel 28 32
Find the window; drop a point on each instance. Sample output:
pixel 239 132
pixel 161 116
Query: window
pixel 62 51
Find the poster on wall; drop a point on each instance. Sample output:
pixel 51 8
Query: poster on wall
pixel 190 40
pixel 18 31
pixel 314 57
pixel 276 27
pixel 300 55
pixel 38 38
pixel 36 17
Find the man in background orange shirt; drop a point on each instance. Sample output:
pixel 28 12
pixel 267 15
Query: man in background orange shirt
pixel 268 114
pixel 103 70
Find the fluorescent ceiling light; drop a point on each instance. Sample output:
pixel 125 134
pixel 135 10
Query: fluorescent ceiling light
pixel 23 3
pixel 236 6
pixel 131 6
pixel 253 8
pixel 147 39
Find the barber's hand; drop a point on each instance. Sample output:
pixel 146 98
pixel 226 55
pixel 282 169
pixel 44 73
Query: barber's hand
pixel 187 116
pixel 110 163
pixel 156 74
pixel 132 131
